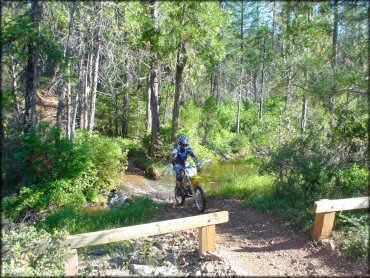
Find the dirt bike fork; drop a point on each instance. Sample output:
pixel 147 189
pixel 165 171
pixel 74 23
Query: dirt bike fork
pixel 190 185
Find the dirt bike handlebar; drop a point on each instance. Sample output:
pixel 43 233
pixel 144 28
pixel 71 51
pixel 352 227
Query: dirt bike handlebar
pixel 168 169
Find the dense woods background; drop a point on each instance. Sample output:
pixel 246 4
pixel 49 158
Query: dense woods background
pixel 87 86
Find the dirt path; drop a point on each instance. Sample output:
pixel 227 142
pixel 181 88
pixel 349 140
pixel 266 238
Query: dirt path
pixel 256 244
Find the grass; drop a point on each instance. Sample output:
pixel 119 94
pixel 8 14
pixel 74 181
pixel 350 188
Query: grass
pixel 258 192
pixel 244 187
pixel 140 210
pixel 294 209
pixel 353 233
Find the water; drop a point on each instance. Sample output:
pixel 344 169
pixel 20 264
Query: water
pixel 213 176
pixel 222 173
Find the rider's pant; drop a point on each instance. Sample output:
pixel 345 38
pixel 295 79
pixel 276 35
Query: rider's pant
pixel 179 176
pixel 178 169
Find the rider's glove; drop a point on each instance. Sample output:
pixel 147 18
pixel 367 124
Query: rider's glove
pixel 198 167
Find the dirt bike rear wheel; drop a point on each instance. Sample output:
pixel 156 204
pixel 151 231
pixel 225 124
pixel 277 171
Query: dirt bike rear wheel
pixel 179 197
pixel 199 199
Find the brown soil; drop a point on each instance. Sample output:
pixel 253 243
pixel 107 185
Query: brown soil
pixel 257 244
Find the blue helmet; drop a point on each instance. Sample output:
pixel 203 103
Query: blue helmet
pixel 183 140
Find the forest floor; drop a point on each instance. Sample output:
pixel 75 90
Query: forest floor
pixel 256 244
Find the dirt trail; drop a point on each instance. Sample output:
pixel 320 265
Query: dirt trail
pixel 256 244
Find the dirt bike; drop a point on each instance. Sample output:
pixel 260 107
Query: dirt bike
pixel 190 188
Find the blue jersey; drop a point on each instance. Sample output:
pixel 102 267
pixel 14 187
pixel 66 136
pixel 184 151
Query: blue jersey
pixel 180 155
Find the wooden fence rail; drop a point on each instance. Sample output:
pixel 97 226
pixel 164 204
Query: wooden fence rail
pixel 325 213
pixel 205 223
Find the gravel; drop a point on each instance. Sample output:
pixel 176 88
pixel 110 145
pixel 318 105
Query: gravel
pixel 174 254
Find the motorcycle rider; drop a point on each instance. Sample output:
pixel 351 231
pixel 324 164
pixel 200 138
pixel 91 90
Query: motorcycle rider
pixel 180 157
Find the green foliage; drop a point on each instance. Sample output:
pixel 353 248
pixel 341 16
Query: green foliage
pixel 306 166
pixel 77 220
pixel 164 145
pixel 354 231
pixel 291 208
pixel 50 169
pixel 307 170
pixel 209 129
pixel 351 182
pixel 356 244
pixel 26 251
pixel 245 187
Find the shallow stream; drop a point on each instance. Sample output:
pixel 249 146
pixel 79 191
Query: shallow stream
pixel 222 173
pixel 214 175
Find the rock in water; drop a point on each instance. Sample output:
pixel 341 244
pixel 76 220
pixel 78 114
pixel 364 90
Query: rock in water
pixel 154 173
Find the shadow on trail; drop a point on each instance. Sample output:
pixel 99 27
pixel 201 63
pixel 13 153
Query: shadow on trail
pixel 249 233
pixel 252 233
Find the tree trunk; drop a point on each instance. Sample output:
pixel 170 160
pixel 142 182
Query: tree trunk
pixel 32 69
pixel 87 89
pixel 241 65
pixel 60 108
pixel 165 108
pixel 273 24
pixel 180 65
pixel 80 84
pixel 96 71
pixel 304 103
pixel 68 126
pixel 14 73
pixel 154 88
pixel 115 114
pixel 74 115
pixel 219 65
pixel 261 108
pixel 126 97
pixel 215 83
pixel 335 33
pixel 262 79
pixel 289 70
pixel 154 104
pixel 255 75
pixel 239 108
pixel 126 101
pixel 304 115
pixel 68 54
pixel 288 89
pixel 149 109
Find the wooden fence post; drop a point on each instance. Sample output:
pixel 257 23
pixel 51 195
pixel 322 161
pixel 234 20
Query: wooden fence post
pixel 72 263
pixel 207 239
pixel 325 213
pixel 323 224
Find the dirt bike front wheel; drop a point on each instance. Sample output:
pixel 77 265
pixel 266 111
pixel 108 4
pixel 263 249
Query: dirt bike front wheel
pixel 199 199
pixel 179 197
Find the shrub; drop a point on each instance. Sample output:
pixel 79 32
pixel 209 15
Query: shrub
pixel 352 182
pixel 239 143
pixel 357 244
pixel 49 169
pixel 164 146
pixel 307 167
pixel 29 252
pixel 306 170
pixel 353 232
pixel 77 220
